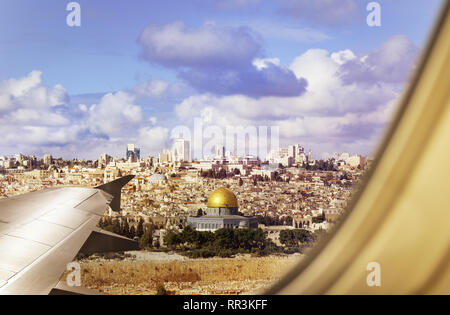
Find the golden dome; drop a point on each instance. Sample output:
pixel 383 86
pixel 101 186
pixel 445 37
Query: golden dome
pixel 222 198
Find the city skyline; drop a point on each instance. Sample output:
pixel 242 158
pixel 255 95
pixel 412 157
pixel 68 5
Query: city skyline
pixel 180 155
pixel 131 76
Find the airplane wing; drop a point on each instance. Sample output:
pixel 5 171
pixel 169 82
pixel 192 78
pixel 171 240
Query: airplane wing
pixel 41 232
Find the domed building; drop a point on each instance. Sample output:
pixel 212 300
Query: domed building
pixel 222 212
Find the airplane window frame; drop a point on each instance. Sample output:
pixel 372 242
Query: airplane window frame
pixel 291 275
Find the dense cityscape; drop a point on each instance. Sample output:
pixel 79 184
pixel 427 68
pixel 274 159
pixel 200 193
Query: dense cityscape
pixel 287 190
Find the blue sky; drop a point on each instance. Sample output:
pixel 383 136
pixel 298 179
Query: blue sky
pixel 118 49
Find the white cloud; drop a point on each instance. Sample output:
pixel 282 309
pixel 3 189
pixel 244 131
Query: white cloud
pixel 153 88
pixel 114 115
pixel 29 92
pixel 392 63
pixel 348 100
pixel 20 87
pixel 262 63
pixel 153 139
pixel 26 103
pixel 36 119
pixel 218 60
pixel 153 120
pixel 175 45
pixel 331 111
pixel 343 56
pixel 316 66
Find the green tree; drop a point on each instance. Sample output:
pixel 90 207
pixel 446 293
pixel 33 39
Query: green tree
pixel 145 241
pixel 172 240
pixel 297 237
pixel 125 229
pixel 132 232
pixel 140 228
pixel 117 227
pixel 287 237
pixel 224 238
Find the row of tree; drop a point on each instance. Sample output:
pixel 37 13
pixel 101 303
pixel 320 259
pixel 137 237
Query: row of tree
pixel 227 242
pixel 296 238
pixel 143 233
pixel 219 174
pixel 321 165
pixel 223 242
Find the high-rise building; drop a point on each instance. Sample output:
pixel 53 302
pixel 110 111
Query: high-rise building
pixel 181 150
pixel 133 153
pixel 299 149
pixel 104 160
pixel 292 152
pixel 19 158
pixel 165 156
pixel 219 151
pixel 299 154
pixel 33 161
pixel 48 159
pixel 301 158
pixel 288 156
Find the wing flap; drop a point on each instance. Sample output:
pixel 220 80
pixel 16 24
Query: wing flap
pixel 41 276
pixel 68 217
pixel 42 232
pixel 16 253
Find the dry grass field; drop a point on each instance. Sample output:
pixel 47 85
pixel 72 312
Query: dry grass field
pixel 242 275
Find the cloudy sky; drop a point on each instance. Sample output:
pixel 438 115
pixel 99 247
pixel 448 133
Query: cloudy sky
pixel 135 70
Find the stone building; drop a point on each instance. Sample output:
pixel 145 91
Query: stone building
pixel 222 212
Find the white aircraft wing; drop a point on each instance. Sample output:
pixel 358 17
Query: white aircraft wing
pixel 41 232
